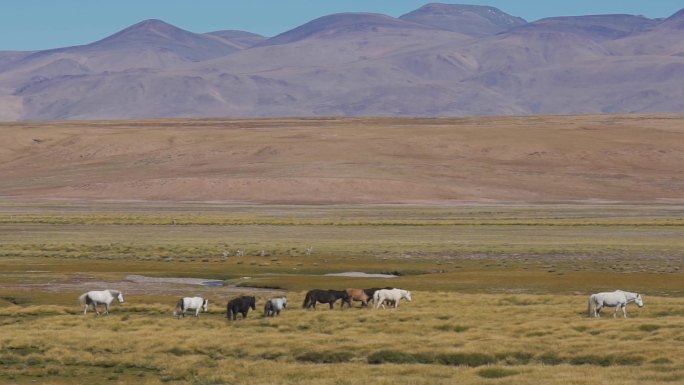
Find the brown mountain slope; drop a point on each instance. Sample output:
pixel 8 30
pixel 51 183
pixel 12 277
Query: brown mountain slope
pixel 349 160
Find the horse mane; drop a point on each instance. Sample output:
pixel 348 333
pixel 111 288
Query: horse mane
pixel 114 292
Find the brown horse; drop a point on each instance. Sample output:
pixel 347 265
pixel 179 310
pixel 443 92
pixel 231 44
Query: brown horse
pixel 358 295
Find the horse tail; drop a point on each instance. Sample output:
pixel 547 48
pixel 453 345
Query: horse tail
pixel 591 299
pixel 82 298
pixel 179 307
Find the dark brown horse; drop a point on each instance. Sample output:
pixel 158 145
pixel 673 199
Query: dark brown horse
pixel 240 305
pixel 325 296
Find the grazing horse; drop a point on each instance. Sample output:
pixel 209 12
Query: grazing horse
pixel 96 297
pixel 240 305
pixel 196 303
pixel 371 292
pixel 325 296
pixel 395 295
pixel 357 295
pixel 617 299
pixel 274 306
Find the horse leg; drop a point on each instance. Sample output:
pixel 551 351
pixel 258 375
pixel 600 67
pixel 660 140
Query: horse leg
pixel 617 307
pixel 333 304
pixel 106 308
pixel 624 311
pixel 85 309
pixel 95 308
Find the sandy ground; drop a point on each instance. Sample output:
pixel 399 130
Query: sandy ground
pixel 349 160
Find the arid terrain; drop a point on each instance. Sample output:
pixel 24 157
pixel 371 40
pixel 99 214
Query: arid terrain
pixel 619 158
pixel 500 227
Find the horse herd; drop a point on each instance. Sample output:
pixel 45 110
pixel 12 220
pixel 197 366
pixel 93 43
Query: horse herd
pixel 390 295
pixel 272 307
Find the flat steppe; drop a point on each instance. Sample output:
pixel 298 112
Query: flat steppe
pixel 623 158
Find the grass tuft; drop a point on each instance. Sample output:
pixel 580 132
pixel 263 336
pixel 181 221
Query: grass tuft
pixel 466 359
pixel 649 327
pixel 329 357
pixel 496 372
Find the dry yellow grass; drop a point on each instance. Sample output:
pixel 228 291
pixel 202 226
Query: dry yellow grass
pixel 529 338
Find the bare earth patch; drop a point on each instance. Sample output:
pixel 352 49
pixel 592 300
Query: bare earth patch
pixel 619 158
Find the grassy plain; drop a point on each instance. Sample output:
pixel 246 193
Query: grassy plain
pixel 499 293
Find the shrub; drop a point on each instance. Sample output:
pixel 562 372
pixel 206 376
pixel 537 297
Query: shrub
pixel 9 359
pixel 452 328
pixel 208 380
pixel 465 359
pixel 661 361
pixel 495 372
pixel 391 356
pixel 515 358
pixel 606 360
pixel 550 359
pixel 176 351
pixel 649 327
pixel 271 355
pixel 628 360
pixel 33 361
pixel 330 357
pixel 590 360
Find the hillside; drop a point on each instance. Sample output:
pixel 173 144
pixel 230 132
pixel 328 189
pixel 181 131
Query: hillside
pixel 626 158
pixel 439 60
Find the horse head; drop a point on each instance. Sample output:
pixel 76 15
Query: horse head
pixel 639 301
pixel 406 294
pixel 284 302
pixel 252 303
pixel 205 305
pixel 120 297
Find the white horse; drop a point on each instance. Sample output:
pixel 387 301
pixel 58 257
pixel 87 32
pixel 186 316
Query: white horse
pixel 382 295
pixel 274 306
pixel 96 297
pixel 195 303
pixel 617 299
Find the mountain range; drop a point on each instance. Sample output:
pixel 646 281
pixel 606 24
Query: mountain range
pixel 441 59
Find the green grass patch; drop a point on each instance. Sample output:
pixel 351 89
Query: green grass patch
pixel 452 328
pixel 329 357
pixel 496 372
pixel 608 360
pixel 394 357
pixel 649 327
pixel 550 358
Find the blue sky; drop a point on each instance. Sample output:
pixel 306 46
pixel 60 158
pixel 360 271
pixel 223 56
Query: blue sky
pixel 41 24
